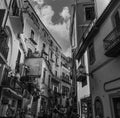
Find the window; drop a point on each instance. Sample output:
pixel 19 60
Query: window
pixel 90 13
pixel 56 61
pixel 51 54
pixel 55 73
pixel 51 43
pixel 84 82
pixel 29 54
pixel 83 60
pixel 18 62
pixel 15 8
pixel 55 89
pixel 44 46
pixel 49 81
pixel 32 34
pixel 91 53
pixel 5 77
pixel 117 21
pixel 56 49
pixel 63 74
pixel 65 90
pixel 44 74
pixel 67 78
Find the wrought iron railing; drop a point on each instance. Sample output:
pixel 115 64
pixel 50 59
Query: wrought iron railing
pixel 112 38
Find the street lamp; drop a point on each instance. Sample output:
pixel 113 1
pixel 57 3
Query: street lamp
pixel 82 71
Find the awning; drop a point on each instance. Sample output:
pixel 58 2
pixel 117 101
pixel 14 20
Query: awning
pixel 16 22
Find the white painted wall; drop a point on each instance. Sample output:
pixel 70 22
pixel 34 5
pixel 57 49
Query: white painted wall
pixel 101 5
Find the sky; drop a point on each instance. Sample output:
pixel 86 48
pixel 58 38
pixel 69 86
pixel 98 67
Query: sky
pixel 101 5
pixel 55 14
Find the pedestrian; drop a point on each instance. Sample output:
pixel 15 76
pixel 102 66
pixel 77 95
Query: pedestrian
pixel 17 114
pixel 9 112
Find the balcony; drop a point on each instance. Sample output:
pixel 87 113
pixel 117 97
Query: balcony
pixel 112 43
pixel 12 84
pixel 35 66
pixel 4 49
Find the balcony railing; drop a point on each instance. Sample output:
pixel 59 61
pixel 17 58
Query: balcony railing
pixel 112 43
pixel 11 82
pixel 65 79
pixel 4 49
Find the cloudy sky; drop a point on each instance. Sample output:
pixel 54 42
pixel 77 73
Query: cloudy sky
pixel 55 14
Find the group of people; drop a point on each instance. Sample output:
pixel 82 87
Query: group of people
pixel 62 112
pixel 57 112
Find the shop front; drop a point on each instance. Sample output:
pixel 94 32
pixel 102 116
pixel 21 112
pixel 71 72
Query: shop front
pixel 86 108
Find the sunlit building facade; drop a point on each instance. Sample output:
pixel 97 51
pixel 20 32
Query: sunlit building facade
pixel 30 61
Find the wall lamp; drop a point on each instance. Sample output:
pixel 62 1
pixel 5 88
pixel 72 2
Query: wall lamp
pixel 82 71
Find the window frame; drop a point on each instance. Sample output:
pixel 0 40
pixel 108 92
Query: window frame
pixel 32 34
pixel 113 19
pixel 91 53
pixel 92 16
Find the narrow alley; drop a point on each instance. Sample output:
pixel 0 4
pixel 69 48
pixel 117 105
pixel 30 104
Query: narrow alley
pixel 59 58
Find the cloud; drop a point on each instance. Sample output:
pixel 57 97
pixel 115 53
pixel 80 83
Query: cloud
pixel 65 14
pixel 68 52
pixel 39 2
pixel 59 31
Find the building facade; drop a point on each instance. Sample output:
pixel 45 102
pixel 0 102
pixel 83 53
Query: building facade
pixel 30 61
pixel 65 80
pixel 102 44
pixel 82 16
pixel 11 91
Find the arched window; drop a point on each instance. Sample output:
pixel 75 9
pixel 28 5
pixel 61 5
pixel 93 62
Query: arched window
pixel 99 108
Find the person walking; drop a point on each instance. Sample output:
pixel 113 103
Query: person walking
pixel 9 112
